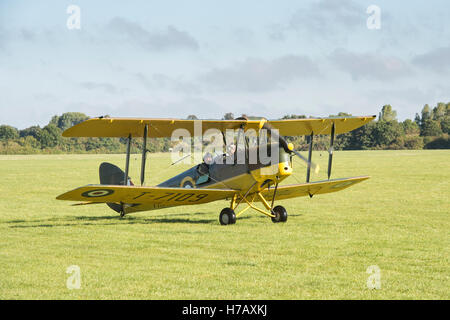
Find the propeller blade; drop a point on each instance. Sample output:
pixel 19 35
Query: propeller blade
pixel 290 150
pixel 313 165
pixel 330 152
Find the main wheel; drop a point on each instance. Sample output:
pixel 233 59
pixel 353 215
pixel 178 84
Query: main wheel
pixel 227 216
pixel 280 214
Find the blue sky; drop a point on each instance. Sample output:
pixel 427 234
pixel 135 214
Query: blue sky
pixel 175 58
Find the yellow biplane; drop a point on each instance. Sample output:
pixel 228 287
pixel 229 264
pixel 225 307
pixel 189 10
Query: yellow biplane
pixel 216 178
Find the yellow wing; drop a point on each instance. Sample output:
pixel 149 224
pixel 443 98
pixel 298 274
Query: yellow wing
pixel 159 197
pixel 312 188
pixel 123 127
pixel 299 127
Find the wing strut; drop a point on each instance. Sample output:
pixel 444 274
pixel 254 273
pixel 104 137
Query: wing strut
pixel 330 152
pixel 308 170
pixel 127 163
pixel 144 154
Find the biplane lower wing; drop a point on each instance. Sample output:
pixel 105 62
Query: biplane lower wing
pixel 156 197
pixel 312 188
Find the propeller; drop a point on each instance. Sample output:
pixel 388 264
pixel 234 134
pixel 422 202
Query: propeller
pixel 289 148
pixel 330 151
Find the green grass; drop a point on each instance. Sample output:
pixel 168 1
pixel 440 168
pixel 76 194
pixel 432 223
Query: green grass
pixel 397 220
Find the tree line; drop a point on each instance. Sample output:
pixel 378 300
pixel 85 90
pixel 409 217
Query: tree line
pixel 429 130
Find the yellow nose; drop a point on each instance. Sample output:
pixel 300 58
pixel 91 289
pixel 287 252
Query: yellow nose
pixel 284 168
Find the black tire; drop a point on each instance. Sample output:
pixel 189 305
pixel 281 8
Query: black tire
pixel 280 214
pixel 227 216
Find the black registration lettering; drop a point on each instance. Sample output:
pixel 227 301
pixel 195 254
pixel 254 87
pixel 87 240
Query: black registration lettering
pixel 199 197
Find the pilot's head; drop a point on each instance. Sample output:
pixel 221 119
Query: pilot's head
pixel 208 159
pixel 231 149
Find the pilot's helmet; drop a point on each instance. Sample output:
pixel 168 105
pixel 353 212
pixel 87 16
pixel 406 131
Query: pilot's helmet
pixel 208 158
pixel 231 149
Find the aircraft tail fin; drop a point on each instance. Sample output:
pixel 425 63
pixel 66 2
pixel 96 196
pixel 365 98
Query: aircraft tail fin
pixel 111 174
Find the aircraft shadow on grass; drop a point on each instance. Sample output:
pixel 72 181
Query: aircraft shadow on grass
pixel 74 221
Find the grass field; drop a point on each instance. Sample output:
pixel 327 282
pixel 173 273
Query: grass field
pixel 398 220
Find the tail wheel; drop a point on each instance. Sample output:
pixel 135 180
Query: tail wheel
pixel 227 216
pixel 122 210
pixel 280 214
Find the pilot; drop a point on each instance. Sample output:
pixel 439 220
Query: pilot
pixel 203 168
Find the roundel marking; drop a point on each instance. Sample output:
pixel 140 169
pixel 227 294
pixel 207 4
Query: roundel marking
pixel 342 184
pixel 187 182
pixel 97 193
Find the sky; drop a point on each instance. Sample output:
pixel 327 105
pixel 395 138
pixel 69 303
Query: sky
pixel 171 59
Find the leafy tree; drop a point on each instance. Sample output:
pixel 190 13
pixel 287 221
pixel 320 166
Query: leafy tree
pixel 50 136
pixel 8 132
pixel 410 127
pixel 439 111
pixel 413 142
pixel 294 116
pixel 426 114
pixel 445 124
pixel 430 128
pixel 30 142
pixel 387 113
pixel 228 116
pixel 192 117
pixel 417 119
pixel 442 142
pixel 386 132
pixel 362 138
pixel 33 131
pixel 68 119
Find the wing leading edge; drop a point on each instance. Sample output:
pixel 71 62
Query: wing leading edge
pixel 312 188
pixel 123 127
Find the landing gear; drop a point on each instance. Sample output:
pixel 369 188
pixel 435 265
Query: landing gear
pixel 122 210
pixel 280 214
pixel 227 216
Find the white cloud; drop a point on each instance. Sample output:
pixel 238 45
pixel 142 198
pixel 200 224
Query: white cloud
pixel 107 87
pixel 255 74
pixel 370 65
pixel 437 60
pixel 170 38
pixel 324 18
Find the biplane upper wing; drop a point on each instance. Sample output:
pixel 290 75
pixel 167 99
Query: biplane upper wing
pixel 145 195
pixel 124 127
pixel 299 127
pixel 312 188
